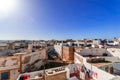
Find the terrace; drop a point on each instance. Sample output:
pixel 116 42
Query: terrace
pixel 41 75
pixel 98 61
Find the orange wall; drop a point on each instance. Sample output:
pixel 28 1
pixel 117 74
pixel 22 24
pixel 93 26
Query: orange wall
pixel 68 53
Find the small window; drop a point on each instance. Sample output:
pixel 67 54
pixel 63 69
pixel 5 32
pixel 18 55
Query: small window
pixel 4 75
pixel 105 54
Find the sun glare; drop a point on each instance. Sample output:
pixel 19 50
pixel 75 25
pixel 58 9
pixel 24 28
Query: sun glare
pixel 7 6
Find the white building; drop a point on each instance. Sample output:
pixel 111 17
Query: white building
pixel 96 42
pixel 113 43
pixel 98 74
pixel 58 49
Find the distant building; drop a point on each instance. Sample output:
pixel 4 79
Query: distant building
pixel 112 43
pixel 4 46
pixel 96 42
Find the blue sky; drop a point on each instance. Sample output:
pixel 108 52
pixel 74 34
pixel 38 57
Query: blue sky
pixel 62 19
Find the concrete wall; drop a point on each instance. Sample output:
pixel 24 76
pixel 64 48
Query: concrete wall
pixel 68 54
pixel 116 68
pixel 60 75
pixel 94 51
pixel 14 74
pixel 10 65
pixel 9 62
pixel 65 52
pixel 112 59
pixel 108 68
pixel 58 49
pixel 114 52
pixel 34 60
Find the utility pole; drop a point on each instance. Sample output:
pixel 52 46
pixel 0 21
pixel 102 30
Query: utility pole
pixel 20 63
pixel 44 76
pixel 91 57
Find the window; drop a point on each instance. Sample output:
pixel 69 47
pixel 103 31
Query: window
pixel 5 76
pixel 111 41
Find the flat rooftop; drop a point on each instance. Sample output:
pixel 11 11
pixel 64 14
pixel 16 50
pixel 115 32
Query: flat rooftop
pixel 101 64
pixel 48 72
pixel 116 78
pixel 98 61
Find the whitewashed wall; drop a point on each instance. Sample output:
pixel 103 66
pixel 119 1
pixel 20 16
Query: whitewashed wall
pixel 114 52
pixel 39 55
pixel 94 51
pixel 33 74
pixel 102 75
pixel 58 49
pixel 14 74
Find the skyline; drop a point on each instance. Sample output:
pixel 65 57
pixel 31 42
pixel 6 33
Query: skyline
pixel 61 19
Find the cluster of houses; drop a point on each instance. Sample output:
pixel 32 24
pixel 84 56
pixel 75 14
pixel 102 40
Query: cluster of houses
pixel 86 59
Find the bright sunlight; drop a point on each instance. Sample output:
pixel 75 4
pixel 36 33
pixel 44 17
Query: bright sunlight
pixel 6 6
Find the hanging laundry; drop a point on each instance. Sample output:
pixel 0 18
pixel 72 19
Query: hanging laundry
pixel 26 77
pixel 95 75
pixel 87 76
pixel 111 70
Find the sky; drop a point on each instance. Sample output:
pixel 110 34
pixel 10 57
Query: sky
pixel 60 19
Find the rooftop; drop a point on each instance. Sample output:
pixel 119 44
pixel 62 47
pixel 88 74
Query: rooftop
pixel 48 72
pixel 116 78
pixel 100 64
